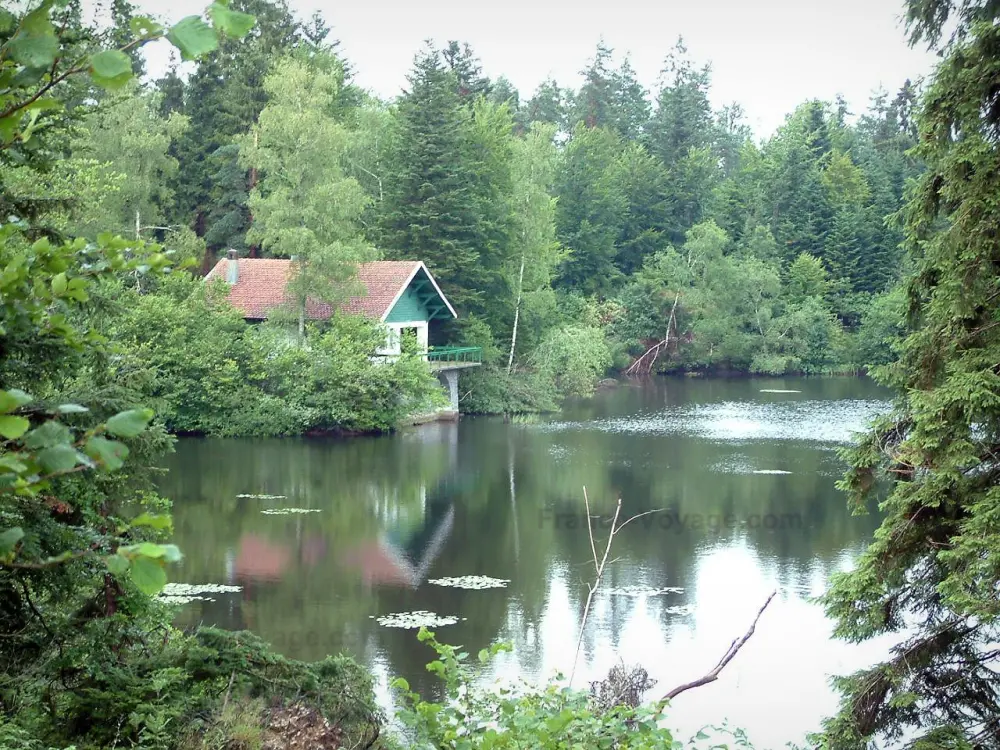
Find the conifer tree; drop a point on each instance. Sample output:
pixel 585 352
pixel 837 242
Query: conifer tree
pixel 591 209
pixel 428 213
pixel 931 575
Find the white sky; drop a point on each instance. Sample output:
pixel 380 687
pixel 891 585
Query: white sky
pixel 769 55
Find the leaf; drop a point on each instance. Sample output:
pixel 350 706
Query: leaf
pixel 110 453
pixel 12 464
pixel 13 427
pixel 193 37
pixel 129 423
pixel 58 458
pixel 117 565
pixel 144 26
pixel 49 434
pixel 148 575
pixel 35 44
pixel 8 539
pixel 71 409
pixel 111 69
pixel 484 656
pixel 232 23
pixel 59 284
pixel 12 399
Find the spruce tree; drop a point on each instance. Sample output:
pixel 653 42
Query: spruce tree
pixel 591 209
pixel 931 576
pixel 428 212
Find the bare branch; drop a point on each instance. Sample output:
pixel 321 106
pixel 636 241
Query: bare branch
pixel 731 652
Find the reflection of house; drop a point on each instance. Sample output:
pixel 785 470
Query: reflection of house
pixel 403 554
pixel 401 294
pixel 260 559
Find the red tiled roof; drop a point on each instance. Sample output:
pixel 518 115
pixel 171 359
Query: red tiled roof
pixel 260 287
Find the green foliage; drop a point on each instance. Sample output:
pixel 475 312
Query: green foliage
pixel 305 207
pixel 87 657
pixel 930 577
pixel 575 357
pixel 552 716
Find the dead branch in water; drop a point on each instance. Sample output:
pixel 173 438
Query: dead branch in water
pixel 731 652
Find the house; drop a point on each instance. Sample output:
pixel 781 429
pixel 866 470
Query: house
pixel 400 294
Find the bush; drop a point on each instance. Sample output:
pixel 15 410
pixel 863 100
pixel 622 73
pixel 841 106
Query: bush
pixel 544 718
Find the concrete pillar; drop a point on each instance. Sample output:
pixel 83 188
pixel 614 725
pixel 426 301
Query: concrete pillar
pixel 449 379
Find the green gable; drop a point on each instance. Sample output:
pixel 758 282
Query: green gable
pixel 420 301
pixel 408 307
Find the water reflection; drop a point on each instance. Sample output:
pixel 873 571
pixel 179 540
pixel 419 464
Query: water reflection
pixel 742 481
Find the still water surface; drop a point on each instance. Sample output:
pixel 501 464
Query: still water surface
pixel 743 478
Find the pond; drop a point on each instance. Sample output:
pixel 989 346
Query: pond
pixel 741 472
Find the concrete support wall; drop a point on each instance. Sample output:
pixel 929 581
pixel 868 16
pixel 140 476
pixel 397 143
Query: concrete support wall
pixel 449 379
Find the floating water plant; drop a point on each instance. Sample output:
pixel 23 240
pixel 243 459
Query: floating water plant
pixel 471 582
pixel 287 511
pixel 263 497
pixel 417 619
pixel 184 593
pixel 638 591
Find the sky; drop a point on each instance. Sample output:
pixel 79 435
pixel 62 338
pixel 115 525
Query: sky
pixel 768 55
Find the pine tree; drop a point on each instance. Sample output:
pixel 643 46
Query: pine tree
pixel 643 183
pixel 547 104
pixel 931 575
pixel 593 104
pixel 629 102
pixel 428 212
pixel 591 210
pixel 682 119
pixel 468 71
pixel 223 98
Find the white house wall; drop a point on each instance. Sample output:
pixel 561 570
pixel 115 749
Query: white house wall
pixel 393 335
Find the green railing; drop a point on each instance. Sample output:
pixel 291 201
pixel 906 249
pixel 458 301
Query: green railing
pixel 468 354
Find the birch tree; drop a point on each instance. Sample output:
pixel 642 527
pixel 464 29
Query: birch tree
pixel 305 206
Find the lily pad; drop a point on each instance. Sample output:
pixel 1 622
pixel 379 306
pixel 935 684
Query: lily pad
pixel 416 619
pixel 471 582
pixel 185 593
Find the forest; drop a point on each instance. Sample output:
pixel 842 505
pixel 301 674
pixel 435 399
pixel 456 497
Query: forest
pixel 580 232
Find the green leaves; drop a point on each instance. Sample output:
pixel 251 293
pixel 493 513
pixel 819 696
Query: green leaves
pixel 193 37
pixel 13 427
pixel 129 423
pixel 13 399
pixel 111 69
pixel 146 564
pixel 110 454
pixel 144 27
pixel 49 434
pixel 148 575
pixel 35 44
pixel 60 458
pixel 232 23
pixel 59 284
